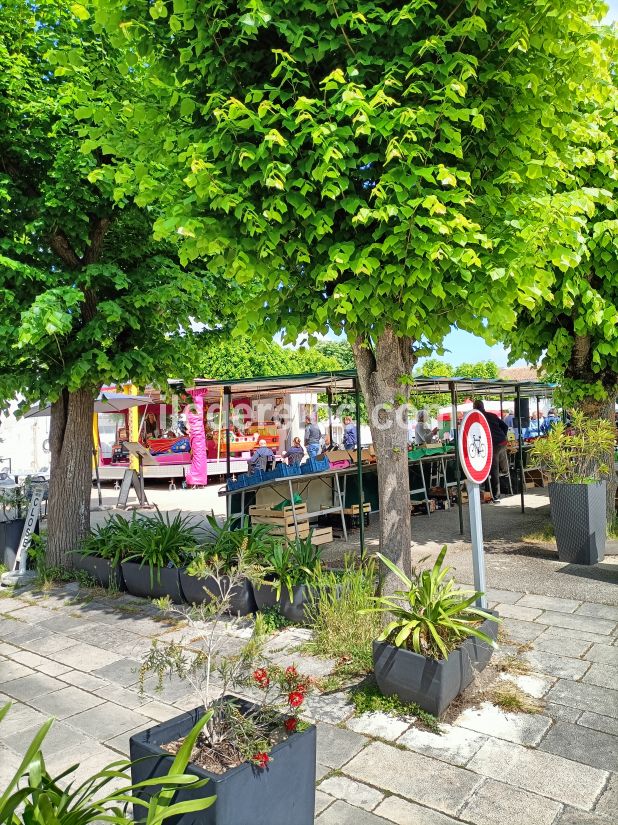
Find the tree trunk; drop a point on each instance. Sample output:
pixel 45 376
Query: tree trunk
pixel 381 364
pixel 70 441
pixel 595 408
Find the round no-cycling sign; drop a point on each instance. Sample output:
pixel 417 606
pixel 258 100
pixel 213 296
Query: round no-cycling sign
pixel 475 447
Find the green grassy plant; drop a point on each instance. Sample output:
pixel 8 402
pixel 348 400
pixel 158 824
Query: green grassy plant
pixel 511 699
pixel 340 630
pixel 367 698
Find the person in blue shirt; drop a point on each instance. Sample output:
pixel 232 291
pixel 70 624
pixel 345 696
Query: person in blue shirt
pixel 350 434
pixel 295 453
pixel 262 457
pixel 313 437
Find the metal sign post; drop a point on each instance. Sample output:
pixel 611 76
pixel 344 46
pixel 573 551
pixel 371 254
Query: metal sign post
pixel 476 453
pixel 20 574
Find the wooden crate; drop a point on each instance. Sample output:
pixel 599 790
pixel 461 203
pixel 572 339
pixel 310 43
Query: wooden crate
pixel 289 532
pixel 322 535
pixel 353 510
pixel 536 477
pixel 278 518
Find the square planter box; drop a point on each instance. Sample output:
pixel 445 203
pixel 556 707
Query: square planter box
pixel 283 793
pixel 100 570
pixel 164 582
pixel 197 591
pixel 429 683
pixel 10 536
pixel 578 513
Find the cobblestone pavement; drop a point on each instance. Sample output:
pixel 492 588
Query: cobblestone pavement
pixel 76 659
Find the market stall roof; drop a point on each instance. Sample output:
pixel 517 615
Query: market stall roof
pixel 106 402
pixel 344 380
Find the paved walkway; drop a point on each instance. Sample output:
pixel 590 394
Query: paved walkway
pixel 66 654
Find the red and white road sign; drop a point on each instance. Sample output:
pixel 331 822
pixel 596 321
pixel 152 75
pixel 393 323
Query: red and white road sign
pixel 475 447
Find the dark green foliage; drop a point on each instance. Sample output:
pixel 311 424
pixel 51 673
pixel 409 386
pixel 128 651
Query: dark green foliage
pixel 367 698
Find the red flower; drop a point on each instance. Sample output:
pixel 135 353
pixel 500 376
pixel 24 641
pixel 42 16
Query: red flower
pixel 290 724
pixel 261 677
pixel 291 672
pixel 296 698
pixel 260 759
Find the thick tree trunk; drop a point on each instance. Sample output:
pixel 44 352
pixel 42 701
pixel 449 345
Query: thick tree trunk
pixel 593 408
pixel 381 364
pixel 70 441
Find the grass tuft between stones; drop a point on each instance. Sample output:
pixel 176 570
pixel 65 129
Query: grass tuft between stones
pixel 367 698
pixel 511 699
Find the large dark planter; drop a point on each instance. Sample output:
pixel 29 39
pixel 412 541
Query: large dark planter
pixel 297 608
pixel 198 591
pixel 101 570
pixel 10 535
pixel 281 794
pixel 578 513
pixel 429 683
pixel 163 581
pixel 265 596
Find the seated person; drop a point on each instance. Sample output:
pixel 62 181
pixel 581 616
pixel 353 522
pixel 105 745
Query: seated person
pixel 261 458
pixel 295 454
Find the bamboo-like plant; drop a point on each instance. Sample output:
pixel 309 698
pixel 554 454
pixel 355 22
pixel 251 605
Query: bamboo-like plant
pixel 430 616
pixel 577 454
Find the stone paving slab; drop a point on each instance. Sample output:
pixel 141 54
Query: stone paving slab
pixel 517 611
pixel 65 702
pixel 542 773
pixel 336 746
pixel 29 687
pixel 604 654
pixel 378 725
pixel 340 813
pixel 571 816
pixel 608 802
pixel 455 745
pixel 551 664
pixel 549 603
pixel 576 621
pixel 602 675
pixel 555 632
pixel 582 744
pixel 106 720
pixel 427 781
pixel 355 793
pixel 522 631
pixel 585 697
pixel 600 611
pixel 597 722
pixel 403 812
pixel 496 803
pixel 520 728
pixel 62 738
pixel 85 657
pixel 563 646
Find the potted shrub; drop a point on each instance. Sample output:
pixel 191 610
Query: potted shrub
pixel 159 548
pixel 259 756
pixel 285 578
pixel 32 794
pixel 436 640
pixel 577 458
pixel 227 542
pixel 12 505
pixel 101 553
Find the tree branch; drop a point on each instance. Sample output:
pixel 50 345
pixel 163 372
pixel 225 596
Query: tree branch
pixel 61 245
pixel 96 235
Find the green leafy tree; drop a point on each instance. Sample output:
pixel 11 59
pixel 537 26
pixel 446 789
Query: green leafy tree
pixel 221 356
pixel 478 369
pixel 341 351
pixel 87 297
pixel 366 165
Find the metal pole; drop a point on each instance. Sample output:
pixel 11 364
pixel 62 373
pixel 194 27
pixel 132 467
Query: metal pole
pixel 538 416
pixel 227 391
pixel 501 411
pixel 329 397
pixel 96 473
pixel 476 532
pixel 359 471
pixel 457 465
pixel 521 448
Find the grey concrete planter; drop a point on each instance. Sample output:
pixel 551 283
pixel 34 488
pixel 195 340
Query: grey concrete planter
pixel 578 513
pixel 265 596
pixel 283 793
pixel 101 570
pixel 162 581
pixel 429 683
pixel 198 591
pixel 297 608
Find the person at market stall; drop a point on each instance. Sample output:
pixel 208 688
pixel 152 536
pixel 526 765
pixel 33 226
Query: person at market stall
pixel 261 457
pixel 551 419
pixel 150 426
pixel 295 453
pixel 424 434
pixel 313 436
pixel 350 433
pixel 509 419
pixel 500 460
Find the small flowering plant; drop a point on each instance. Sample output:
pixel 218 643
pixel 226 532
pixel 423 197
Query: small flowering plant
pixel 283 694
